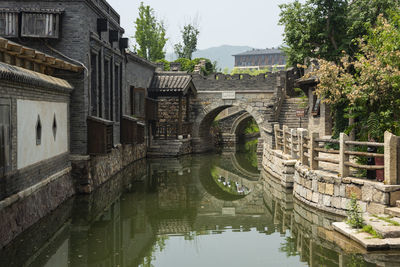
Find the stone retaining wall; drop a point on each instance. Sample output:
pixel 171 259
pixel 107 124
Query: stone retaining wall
pixel 279 165
pixel 91 171
pixel 170 148
pixel 22 210
pixel 329 192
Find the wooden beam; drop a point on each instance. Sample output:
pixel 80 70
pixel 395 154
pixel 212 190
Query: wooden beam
pixel 40 57
pixel 3 43
pixel 27 53
pixel 14 49
pixel 50 60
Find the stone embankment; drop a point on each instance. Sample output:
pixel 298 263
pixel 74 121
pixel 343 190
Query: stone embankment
pixel 323 177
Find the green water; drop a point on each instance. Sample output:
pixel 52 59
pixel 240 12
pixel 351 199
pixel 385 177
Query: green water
pixel 176 212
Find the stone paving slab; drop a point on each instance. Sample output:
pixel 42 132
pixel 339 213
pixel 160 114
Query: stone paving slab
pixel 365 239
pixel 386 229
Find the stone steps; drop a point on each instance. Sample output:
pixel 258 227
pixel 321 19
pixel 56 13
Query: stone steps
pixel 287 115
pixel 394 211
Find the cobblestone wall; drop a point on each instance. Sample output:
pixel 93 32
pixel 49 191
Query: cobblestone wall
pixel 91 171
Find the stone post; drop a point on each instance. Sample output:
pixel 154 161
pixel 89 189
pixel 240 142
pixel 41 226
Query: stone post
pixel 344 170
pixel 312 153
pixel 285 142
pixel 276 132
pixel 293 146
pixel 302 133
pixel 390 159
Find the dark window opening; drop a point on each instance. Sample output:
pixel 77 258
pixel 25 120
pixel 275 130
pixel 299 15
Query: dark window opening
pixel 316 106
pixel 107 89
pixel 38 131
pixel 54 128
pixel 100 88
pixel 5 136
pixel 93 92
pixel 137 102
pixel 116 93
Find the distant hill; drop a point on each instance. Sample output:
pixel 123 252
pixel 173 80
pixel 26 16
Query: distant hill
pixel 222 54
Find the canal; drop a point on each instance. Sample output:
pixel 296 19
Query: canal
pixel 199 210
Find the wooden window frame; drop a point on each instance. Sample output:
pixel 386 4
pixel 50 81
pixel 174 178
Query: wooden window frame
pixel 51 21
pixel 10 18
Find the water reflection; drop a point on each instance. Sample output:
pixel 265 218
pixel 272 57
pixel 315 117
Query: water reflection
pixel 172 212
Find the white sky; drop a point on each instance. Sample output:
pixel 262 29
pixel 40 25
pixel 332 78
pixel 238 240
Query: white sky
pixel 251 22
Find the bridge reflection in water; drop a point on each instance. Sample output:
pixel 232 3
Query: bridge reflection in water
pixel 172 212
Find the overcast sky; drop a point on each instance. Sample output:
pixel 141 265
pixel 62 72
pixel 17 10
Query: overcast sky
pixel 245 22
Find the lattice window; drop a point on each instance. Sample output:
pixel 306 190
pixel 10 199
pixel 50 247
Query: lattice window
pixel 9 24
pixel 42 25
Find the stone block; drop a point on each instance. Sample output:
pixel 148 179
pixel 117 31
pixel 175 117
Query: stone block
pixel 345 203
pixel 394 196
pixel 374 208
pixel 326 200
pixel 321 187
pixel 336 190
pixel 380 197
pixel 367 191
pixel 309 184
pixel 336 202
pixel 315 197
pixel 353 190
pixel 329 189
pixel 342 189
pixel 309 194
pixel 362 205
pixel 314 185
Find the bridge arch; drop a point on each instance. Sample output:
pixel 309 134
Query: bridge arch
pixel 210 110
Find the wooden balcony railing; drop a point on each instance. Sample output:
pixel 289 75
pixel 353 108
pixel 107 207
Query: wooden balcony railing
pixel 151 109
pixel 132 130
pixel 166 130
pixel 100 135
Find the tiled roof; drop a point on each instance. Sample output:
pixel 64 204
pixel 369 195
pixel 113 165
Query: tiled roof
pixel 260 52
pixel 170 82
pixel 18 74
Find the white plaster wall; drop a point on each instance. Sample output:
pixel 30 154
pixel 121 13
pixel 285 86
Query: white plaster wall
pixel 28 152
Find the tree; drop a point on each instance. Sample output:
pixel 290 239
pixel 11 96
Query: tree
pixel 149 35
pixel 189 36
pixel 325 28
pixel 368 83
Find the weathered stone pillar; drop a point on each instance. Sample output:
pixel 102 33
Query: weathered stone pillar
pixel 293 146
pixel 312 153
pixel 390 158
pixel 302 133
pixel 276 132
pixel 344 170
pixel 285 142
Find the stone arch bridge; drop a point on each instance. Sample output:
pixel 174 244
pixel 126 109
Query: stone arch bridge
pixel 260 96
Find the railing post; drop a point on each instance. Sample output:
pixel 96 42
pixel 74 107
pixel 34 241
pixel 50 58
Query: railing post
pixel 301 134
pixel 312 153
pixel 293 133
pixel 276 132
pixel 285 142
pixel 390 157
pixel 344 170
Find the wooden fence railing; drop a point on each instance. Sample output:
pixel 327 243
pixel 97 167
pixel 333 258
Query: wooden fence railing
pixel 311 150
pixel 171 130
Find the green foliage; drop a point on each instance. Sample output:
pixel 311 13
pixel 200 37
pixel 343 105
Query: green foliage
pixel 304 99
pixel 354 215
pixel 388 220
pixel 188 65
pixel 366 87
pixel 251 127
pixel 324 28
pixel 370 230
pixel 166 63
pixel 252 72
pixel 189 36
pixel 149 35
